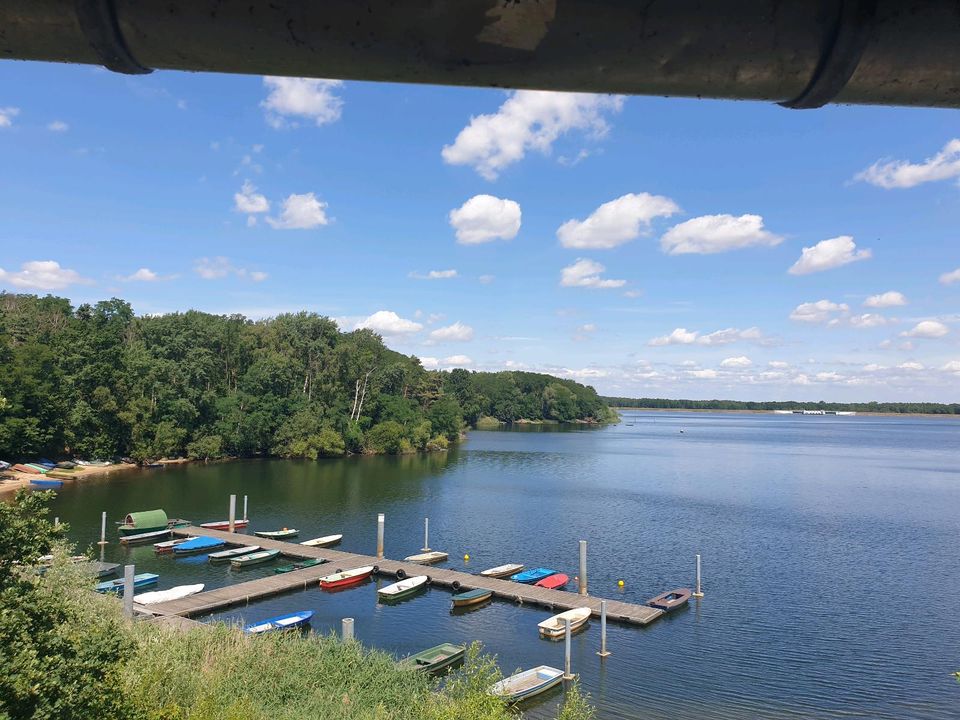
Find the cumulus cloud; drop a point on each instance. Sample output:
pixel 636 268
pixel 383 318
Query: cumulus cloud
pixel 387 322
pixel 890 174
pixel 952 366
pixel 741 361
pixel 708 374
pixel 586 273
pixel 948 278
pixel 616 222
pixel 58 126
pixel 433 275
pixel 779 364
pixel 484 218
pixel 7 114
pixel 248 200
pixel 42 275
pixel 911 365
pixel 456 361
pixel 682 336
pixel 457 332
pixel 217 268
pixel 928 329
pixel 142 275
pixel 891 298
pixel 527 120
pixel 828 254
pixel 301 212
pixel 818 312
pixel 307 98
pixel 710 234
pixel 868 320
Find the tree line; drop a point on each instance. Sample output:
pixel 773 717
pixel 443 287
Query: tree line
pixel 97 381
pixel 866 407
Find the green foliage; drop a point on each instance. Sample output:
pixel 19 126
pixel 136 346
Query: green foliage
pixel 385 438
pixel 576 705
pixel 206 447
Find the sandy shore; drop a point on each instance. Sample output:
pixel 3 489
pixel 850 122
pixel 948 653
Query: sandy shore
pixel 11 480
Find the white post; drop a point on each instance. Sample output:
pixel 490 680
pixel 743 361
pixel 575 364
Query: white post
pixel 583 568
pixel 56 522
pixel 567 675
pixel 380 535
pixel 699 592
pixel 603 629
pixel 426 535
pixel 103 529
pixel 244 507
pixel 346 629
pixel 233 513
pixel 128 590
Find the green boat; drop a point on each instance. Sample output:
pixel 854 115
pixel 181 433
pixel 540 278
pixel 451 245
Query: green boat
pixel 143 522
pixel 277 534
pixel 300 565
pixel 435 659
pixel 255 558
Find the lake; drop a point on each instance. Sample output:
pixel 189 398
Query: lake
pixel 831 569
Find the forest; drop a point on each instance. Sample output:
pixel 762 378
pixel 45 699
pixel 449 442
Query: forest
pixel 97 381
pixel 865 407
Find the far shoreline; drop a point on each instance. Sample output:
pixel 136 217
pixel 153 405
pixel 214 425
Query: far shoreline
pixel 858 413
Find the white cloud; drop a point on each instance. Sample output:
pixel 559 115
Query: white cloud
pixel 952 366
pixel 818 312
pixel 588 327
pixel 717 233
pixel 42 275
pixel 632 293
pixel 828 254
pixel 7 114
pixel 387 322
pixel 58 126
pixel 457 332
pixel 486 279
pixel 616 222
pixel 930 329
pixel 828 376
pixel 680 336
pixel 890 174
pixel 307 98
pixel 217 268
pixel 868 320
pixel 256 275
pixel 300 212
pixel 527 120
pixel 708 374
pixel 891 298
pixel 779 364
pixel 456 361
pixel 248 200
pixel 874 367
pixel 433 275
pixel 948 278
pixel 586 273
pixel 483 218
pixel 911 366
pixel 741 361
pixel 142 275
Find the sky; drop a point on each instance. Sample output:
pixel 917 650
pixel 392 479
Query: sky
pixel 644 246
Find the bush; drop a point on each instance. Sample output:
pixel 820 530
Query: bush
pixel 330 444
pixel 439 442
pixel 206 447
pixel 386 437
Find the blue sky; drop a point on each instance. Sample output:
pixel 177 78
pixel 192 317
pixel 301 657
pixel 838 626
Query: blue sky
pixel 671 276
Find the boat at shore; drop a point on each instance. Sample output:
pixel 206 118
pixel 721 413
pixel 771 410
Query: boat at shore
pixel 502 571
pixel 403 588
pixel 139 581
pixel 471 597
pixel 556 626
pixel 325 541
pixel 44 482
pixel 435 659
pixel 281 622
pixel 299 565
pixel 224 524
pixel 527 683
pixel 529 577
pixel 277 534
pixel 427 558
pixel 346 578
pixel 670 600
pixel 174 593
pixel 254 558
pixel 224 555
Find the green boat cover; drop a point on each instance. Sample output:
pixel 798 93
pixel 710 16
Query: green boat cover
pixel 146 519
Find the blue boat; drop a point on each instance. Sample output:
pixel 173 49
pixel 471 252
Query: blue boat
pixel 532 576
pixel 44 482
pixel 281 622
pixel 139 581
pixel 197 545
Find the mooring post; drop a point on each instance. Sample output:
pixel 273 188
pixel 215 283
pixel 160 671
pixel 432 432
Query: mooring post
pixel 583 567
pixel 128 590
pixel 346 629
pixel 603 629
pixel 244 507
pixel 56 522
pixel 699 592
pixel 567 675
pixel 103 529
pixel 233 513
pixel 426 535
pixel 380 535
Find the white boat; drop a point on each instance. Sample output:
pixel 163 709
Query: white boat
pixel 427 558
pixel 168 545
pixel 555 626
pixel 232 553
pixel 502 570
pixel 144 537
pixel 325 541
pixel 527 683
pixel 174 593
pixel 403 588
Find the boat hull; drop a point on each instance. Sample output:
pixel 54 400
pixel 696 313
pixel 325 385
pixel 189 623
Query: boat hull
pixel 555 627
pixel 281 622
pixel 402 589
pixel 502 571
pixel 224 524
pixel 527 684
pixel 435 659
pixel 256 558
pixel 276 534
pixel 671 600
pixel 553 582
pixel 529 577
pixel 228 555
pixel 427 558
pixel 310 562
pixel 472 597
pixel 328 541
pixel 334 582
pixel 139 581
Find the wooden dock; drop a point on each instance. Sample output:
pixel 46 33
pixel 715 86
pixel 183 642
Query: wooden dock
pixel 241 593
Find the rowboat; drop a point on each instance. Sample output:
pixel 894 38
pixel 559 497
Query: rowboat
pixel 435 659
pixel 43 482
pixel 527 683
pixel 403 588
pixel 554 627
pixel 167 545
pixel 60 475
pixel 103 569
pixel 325 541
pixel 224 524
pixel 299 565
pixel 427 558
pixel 174 593
pixel 472 597
pixel 198 545
pixel 39 468
pixel 20 467
pixel 281 622
pixel 345 578
pixel 254 558
pixel 141 580
pixel 277 534
pixel 531 576
pixel 224 555
pixel 147 537
pixel 501 571
pixel 670 600
pixel 553 582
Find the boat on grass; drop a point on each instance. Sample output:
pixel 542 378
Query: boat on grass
pixel 502 571
pixel 346 578
pixel 427 558
pixel 553 582
pixel 43 482
pixel 403 588
pixel 325 541
pixel 435 659
pixel 472 597
pixel 167 545
pixel 147 537
pixel 277 534
pixel 531 576
pixel 555 627
pixel 527 683
pixel 670 600
pixel 139 581
pixel 174 593
pixel 299 565
pixel 225 555
pixel 224 524
pixel 281 622
pixel 199 544
pixel 254 558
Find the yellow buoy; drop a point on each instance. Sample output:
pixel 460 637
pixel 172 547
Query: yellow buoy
pixel 619 583
pixel 466 557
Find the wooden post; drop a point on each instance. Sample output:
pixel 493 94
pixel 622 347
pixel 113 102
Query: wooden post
pixel 346 629
pixel 233 513
pixel 244 507
pixel 426 535
pixel 103 529
pixel 603 629
pixel 699 591
pixel 567 675
pixel 380 535
pixel 582 585
pixel 128 571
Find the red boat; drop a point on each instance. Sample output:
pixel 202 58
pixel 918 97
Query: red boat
pixel 25 469
pixel 553 582
pixel 224 524
pixel 345 578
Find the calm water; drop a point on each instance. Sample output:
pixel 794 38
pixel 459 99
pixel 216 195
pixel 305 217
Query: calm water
pixel 830 553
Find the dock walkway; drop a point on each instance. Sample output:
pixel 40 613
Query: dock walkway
pixel 213 600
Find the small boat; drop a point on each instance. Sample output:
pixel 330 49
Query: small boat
pixel 139 581
pixel 277 534
pixel 60 474
pixel 46 462
pixel 167 545
pixel 531 576
pixel 174 593
pixel 43 482
pixel 153 466
pixel 345 578
pixel 39 468
pixel 554 627
pixel 224 524
pixel 553 582
pixel 254 558
pixel 403 588
pixel 427 558
pixel 224 555
pixel 144 521
pixel 281 622
pixel 501 571
pixel 146 537
pixel 20 467
pixel 198 545
pixel 670 600
pixel 435 659
pixel 299 565
pixel 527 683
pixel 325 541
pixel 472 597
pixel 67 465
pixel 103 569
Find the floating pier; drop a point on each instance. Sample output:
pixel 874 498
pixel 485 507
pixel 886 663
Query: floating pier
pixel 242 593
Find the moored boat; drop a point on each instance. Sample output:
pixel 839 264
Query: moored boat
pixel 346 577
pixel 472 597
pixel 167 545
pixel 224 524
pixel 277 534
pixel 43 482
pixel 501 571
pixel 427 558
pixel 174 593
pixel 198 545
pixel 254 558
pixel 224 555
pixel 139 581
pixel 531 576
pixel 144 521
pixel 299 565
pixel 553 582
pixel 325 541
pixel 281 622
pixel 403 588
pixel 146 537
pixel 527 683
pixel 435 659
pixel 670 600
pixel 554 627
pixel 103 569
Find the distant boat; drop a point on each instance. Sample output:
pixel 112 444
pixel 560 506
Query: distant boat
pixel 345 578
pixel 43 482
pixel 403 588
pixel 281 622
pixel 436 658
pixel 145 537
pixel 527 683
pixel 427 558
pixel 554 627
pixel 224 555
pixel 139 581
pixel 325 541
pixel 501 571
pixel 299 565
pixel 198 545
pixel 472 597
pixel 277 534
pixel 39 468
pixel 224 524
pixel 670 600
pixel 174 593
pixel 254 558
pixel 531 576
pixel 167 545
pixel 553 582
pixel 20 467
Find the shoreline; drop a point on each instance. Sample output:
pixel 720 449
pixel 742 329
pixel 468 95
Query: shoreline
pixel 859 413
pixel 14 480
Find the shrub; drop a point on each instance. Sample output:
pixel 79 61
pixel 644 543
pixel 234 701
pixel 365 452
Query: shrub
pixel 385 437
